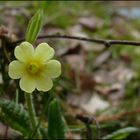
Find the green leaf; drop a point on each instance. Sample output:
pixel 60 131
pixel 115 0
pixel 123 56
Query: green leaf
pixel 15 115
pixel 55 121
pixel 42 5
pixel 34 27
pixel 121 133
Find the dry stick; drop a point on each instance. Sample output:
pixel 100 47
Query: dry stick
pixel 88 120
pixel 119 116
pixel 6 132
pixel 107 43
pixel 97 126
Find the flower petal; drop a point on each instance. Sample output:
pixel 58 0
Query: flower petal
pixel 27 84
pixel 24 51
pixel 16 69
pixel 44 52
pixel 43 83
pixel 52 69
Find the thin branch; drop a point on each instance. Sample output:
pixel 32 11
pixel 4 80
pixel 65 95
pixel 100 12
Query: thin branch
pixel 65 37
pixel 6 132
pixel 105 42
pixel 118 116
pixel 88 120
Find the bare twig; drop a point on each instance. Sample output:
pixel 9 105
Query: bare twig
pixel 6 132
pixel 87 120
pixel 98 127
pixel 105 42
pixel 118 116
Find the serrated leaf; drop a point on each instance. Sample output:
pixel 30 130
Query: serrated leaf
pixel 15 115
pixel 34 27
pixel 121 133
pixel 55 121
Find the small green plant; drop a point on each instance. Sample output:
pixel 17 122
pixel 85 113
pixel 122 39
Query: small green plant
pixel 35 70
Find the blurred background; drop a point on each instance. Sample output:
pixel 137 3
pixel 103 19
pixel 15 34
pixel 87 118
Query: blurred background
pixel 95 81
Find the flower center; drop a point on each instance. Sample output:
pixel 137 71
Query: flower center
pixel 33 68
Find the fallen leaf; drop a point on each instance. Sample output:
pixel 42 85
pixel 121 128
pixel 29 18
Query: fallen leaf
pixel 76 62
pixel 91 23
pixel 95 104
pixel 7 132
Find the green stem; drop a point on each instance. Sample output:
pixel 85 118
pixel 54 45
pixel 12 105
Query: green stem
pixel 32 114
pixel 17 96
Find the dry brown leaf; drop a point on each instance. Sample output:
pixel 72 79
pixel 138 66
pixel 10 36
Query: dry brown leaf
pixel 91 23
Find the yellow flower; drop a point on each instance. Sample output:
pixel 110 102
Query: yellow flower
pixel 34 67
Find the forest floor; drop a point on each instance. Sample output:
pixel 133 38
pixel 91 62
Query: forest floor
pixel 96 81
